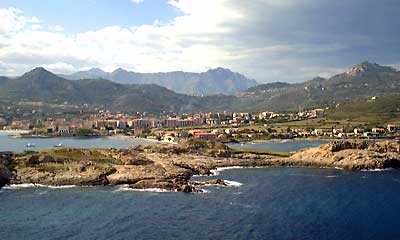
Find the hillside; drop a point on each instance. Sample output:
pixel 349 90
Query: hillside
pixel 214 81
pixel 42 85
pixel 382 110
pixel 361 81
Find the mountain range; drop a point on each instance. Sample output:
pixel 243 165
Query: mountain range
pixel 360 81
pixel 214 81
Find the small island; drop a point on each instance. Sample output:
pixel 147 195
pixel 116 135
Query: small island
pixel 171 166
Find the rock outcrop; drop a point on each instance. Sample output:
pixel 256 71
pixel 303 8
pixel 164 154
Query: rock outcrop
pixel 5 173
pixel 170 167
pixel 351 155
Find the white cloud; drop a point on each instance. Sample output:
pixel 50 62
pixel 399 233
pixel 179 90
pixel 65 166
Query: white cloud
pixel 12 20
pixel 60 67
pixel 249 37
pixel 137 1
pixel 57 28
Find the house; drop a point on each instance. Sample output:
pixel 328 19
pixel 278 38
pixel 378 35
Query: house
pixel 358 131
pixel 391 128
pixel 231 130
pixel 371 134
pixel 318 132
pixel 64 130
pixel 204 136
pixel 337 130
pixel 378 130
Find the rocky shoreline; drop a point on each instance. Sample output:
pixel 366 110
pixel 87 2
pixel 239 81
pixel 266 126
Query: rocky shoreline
pixel 171 167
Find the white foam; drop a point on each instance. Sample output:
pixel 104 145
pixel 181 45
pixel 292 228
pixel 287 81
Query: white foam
pixel 233 183
pixel 61 187
pixel 203 191
pixel 220 169
pixel 127 188
pixel 33 185
pixel 331 176
pixel 24 185
pixel 376 170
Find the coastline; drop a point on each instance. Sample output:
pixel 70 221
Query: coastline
pixel 124 137
pixel 173 167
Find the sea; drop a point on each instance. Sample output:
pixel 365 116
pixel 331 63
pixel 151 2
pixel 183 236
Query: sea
pixel 261 203
pixel 9 141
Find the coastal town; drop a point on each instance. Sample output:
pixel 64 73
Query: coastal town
pixel 224 126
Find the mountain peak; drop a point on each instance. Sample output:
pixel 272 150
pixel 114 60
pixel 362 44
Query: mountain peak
pixel 219 69
pixel 367 66
pixel 38 72
pixel 119 70
pixel 96 71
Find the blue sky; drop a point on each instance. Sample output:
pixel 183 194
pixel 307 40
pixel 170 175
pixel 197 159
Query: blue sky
pixel 86 15
pixel 268 40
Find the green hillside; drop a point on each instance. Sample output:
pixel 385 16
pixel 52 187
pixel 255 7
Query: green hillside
pixel 381 111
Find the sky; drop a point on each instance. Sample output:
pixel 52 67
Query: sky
pixel 267 40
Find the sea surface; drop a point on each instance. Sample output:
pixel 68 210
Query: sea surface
pixel 8 143
pixel 263 203
pixel 274 203
pixel 280 145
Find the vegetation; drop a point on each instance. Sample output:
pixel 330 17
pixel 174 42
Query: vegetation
pixel 51 167
pixel 261 152
pixel 382 110
pixel 81 132
pixel 40 85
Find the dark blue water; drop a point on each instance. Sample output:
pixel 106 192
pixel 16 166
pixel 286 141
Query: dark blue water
pixel 281 146
pixel 277 203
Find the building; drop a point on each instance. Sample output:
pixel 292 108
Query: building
pixel 64 130
pixel 318 132
pixel 204 136
pixel 391 128
pixel 358 131
pixel 378 130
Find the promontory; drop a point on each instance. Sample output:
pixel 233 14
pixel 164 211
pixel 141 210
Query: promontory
pixel 171 167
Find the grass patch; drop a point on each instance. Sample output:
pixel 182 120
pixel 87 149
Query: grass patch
pixel 261 152
pixel 52 168
pixel 82 155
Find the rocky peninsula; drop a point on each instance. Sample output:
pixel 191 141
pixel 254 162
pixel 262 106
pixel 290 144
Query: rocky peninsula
pixel 171 167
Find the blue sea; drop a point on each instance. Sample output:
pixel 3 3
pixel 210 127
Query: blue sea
pixel 8 143
pixel 265 203
pixel 280 145
pixel 275 203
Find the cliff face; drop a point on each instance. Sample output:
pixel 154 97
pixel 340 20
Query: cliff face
pixel 352 155
pixel 5 174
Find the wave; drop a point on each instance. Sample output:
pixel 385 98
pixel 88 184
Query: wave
pixel 376 170
pixel 34 185
pixel 20 186
pixel 127 188
pixel 216 171
pixel 233 183
pixel 331 176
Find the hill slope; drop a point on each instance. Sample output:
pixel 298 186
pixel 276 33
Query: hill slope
pixel 382 110
pixel 361 81
pixel 42 85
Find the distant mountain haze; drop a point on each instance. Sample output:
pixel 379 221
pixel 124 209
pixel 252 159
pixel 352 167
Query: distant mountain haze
pixel 213 81
pixel 358 82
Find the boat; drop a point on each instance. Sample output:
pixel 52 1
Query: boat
pixel 30 145
pixel 59 145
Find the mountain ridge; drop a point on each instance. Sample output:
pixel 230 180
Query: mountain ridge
pixel 213 81
pixel 42 85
